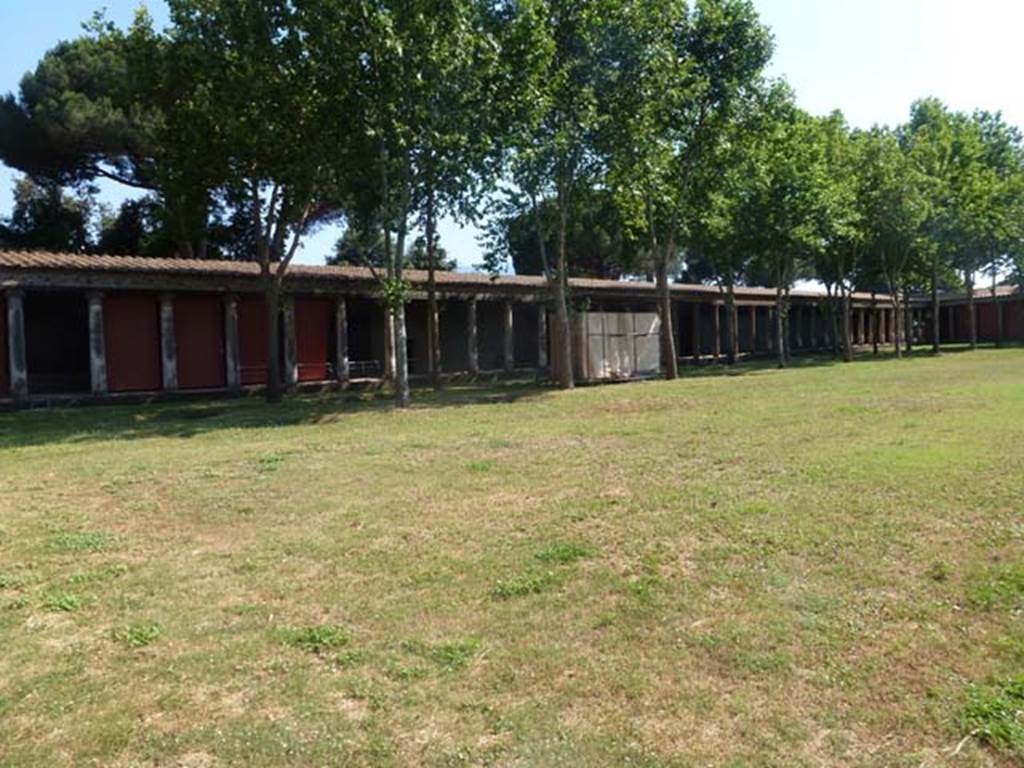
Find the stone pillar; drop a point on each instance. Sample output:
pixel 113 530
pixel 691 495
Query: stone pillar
pixel 232 360
pixel 341 368
pixel 291 363
pixel 872 323
pixel 753 328
pixel 16 351
pixel 695 331
pixel 509 336
pixel 97 345
pixel 472 356
pixel 542 336
pixel 168 343
pixel 718 331
pixel 771 330
pixel 798 338
pixel 883 319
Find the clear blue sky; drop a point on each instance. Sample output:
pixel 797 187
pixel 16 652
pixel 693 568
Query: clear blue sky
pixel 869 58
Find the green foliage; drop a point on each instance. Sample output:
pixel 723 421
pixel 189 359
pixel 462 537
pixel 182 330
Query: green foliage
pixel 85 541
pixel 451 656
pixel 317 639
pixel 998 588
pixel 995 715
pixel 523 584
pixel 563 553
pixel 61 602
pixel 137 635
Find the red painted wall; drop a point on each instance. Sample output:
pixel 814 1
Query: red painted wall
pixel 1012 318
pixel 199 333
pixel 131 326
pixel 312 326
pixel 5 380
pixel 252 340
pixel 988 329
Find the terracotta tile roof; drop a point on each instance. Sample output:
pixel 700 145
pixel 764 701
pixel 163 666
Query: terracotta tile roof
pixel 46 260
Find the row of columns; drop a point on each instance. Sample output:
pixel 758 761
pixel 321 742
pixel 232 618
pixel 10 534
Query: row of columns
pixel 865 323
pixel 169 351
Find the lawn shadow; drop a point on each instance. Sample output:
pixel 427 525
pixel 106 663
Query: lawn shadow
pixel 185 420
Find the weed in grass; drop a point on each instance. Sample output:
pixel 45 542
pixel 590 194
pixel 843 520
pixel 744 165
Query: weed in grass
pixel 85 541
pixel 939 571
pixel 316 639
pixel 484 465
pixel 995 715
pixel 352 658
pixel 11 581
pixel 999 588
pixel 563 553
pixel 61 602
pixel 522 584
pixel 16 604
pixel 136 635
pixel 404 673
pixel 106 573
pixel 451 656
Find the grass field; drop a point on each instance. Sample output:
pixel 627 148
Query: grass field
pixel 822 566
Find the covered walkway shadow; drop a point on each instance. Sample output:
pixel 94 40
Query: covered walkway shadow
pixel 75 425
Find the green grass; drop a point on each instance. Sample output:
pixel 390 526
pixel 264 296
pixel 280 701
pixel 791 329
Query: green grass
pixel 822 566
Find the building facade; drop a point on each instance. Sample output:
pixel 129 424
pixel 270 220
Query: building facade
pixel 82 327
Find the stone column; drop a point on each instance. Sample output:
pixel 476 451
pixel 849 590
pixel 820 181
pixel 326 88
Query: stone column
pixel 542 336
pixel 232 359
pixel 872 324
pixel 291 363
pixel 509 336
pixel 718 331
pixel 753 328
pixel 883 319
pixel 798 338
pixel 771 330
pixel 695 331
pixel 97 345
pixel 168 343
pixel 16 352
pixel 341 368
pixel 472 356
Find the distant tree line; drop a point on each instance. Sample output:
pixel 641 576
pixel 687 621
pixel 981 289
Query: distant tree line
pixel 614 138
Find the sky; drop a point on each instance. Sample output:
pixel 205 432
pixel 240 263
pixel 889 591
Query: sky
pixel 869 58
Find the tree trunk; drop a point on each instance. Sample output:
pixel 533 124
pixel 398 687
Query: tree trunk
pixel 403 396
pixel 907 323
pixel 780 332
pixel 563 333
pixel 998 309
pixel 433 332
pixel 972 315
pixel 936 309
pixel 731 323
pixel 876 330
pixel 666 336
pixel 847 325
pixel 273 301
pixel 894 298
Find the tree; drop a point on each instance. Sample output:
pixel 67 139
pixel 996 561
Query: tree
pixel 124 106
pixel 279 139
pixel 597 239
pixel 557 46
pixel 682 74
pixel 895 209
pixel 784 171
pixel 356 248
pixel 45 217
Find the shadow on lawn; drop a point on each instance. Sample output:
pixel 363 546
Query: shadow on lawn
pixel 187 419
